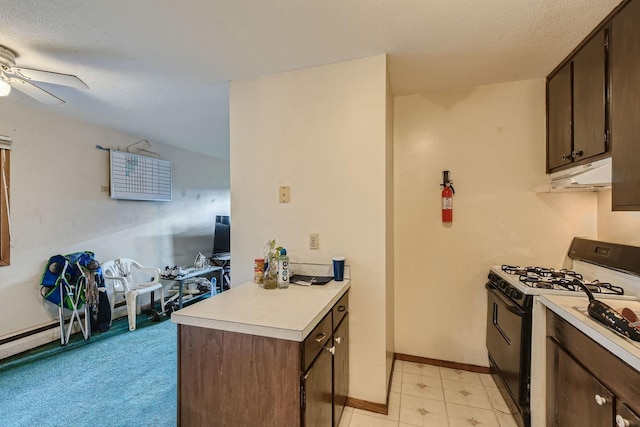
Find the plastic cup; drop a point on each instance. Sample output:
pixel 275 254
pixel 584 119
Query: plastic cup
pixel 338 268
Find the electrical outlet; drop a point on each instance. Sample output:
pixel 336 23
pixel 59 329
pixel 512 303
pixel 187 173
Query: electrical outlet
pixel 284 194
pixel 314 242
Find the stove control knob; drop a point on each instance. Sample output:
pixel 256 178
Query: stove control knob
pixel 600 400
pixel 516 294
pixel 621 422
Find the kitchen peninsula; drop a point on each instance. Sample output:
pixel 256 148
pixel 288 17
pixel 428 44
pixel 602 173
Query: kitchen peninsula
pixel 251 356
pixel 593 373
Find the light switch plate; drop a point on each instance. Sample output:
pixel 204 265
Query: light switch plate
pixel 284 194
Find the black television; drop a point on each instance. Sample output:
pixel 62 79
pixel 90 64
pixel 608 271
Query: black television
pixel 222 236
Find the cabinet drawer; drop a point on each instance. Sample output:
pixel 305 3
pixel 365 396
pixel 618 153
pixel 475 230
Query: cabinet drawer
pixel 340 309
pixel 314 342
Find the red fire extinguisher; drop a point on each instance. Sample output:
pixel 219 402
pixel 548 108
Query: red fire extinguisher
pixel 447 197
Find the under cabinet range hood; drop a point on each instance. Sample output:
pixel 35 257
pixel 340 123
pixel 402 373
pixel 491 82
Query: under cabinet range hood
pixel 592 176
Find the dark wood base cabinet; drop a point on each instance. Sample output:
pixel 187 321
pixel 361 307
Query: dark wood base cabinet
pixel 586 384
pixel 230 379
pixel 340 369
pixel 317 398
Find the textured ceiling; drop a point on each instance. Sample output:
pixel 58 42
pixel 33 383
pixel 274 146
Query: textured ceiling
pixel 159 70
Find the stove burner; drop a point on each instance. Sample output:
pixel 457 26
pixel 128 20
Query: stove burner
pixel 513 270
pixel 543 285
pixel 549 278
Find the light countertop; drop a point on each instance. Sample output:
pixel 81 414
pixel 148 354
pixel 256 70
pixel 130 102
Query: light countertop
pixel 565 307
pixel 289 314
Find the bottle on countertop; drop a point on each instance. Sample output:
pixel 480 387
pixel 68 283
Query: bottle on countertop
pixel 283 269
pixel 270 277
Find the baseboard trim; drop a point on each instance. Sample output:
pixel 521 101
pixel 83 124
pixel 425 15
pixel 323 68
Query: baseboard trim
pixel 443 363
pixel 379 408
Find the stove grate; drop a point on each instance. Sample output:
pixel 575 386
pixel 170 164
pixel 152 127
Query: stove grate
pixel 549 278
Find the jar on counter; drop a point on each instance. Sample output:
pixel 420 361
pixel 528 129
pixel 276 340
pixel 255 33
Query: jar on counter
pixel 270 279
pixel 258 271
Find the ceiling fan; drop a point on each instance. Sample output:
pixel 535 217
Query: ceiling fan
pixel 23 79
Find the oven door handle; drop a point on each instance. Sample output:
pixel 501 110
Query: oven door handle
pixel 515 310
pixel 508 305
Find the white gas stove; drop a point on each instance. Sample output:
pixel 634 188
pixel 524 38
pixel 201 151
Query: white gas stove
pixel 544 280
pixel 608 271
pixel 611 270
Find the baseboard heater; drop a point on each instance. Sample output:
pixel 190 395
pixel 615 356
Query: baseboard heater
pixel 55 324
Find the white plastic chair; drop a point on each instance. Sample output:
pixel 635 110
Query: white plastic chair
pixel 131 283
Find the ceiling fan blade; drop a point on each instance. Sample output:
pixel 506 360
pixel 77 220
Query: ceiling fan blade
pixel 48 77
pixel 35 92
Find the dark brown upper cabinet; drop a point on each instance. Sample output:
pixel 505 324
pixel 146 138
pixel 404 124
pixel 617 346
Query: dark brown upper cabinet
pixel 625 108
pixel 559 118
pixel 577 106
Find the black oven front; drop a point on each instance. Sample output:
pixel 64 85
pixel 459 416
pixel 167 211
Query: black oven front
pixel 509 345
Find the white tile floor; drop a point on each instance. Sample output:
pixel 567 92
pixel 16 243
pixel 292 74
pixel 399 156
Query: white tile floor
pixel 430 396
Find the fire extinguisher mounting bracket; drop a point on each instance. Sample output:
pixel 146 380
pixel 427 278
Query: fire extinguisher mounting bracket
pixel 447 182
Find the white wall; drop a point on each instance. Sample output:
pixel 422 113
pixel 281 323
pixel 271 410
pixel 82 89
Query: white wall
pixel 56 206
pixel 320 131
pixel 390 229
pixel 492 139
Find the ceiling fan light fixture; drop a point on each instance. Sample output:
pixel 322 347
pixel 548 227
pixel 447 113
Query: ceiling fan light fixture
pixel 4 88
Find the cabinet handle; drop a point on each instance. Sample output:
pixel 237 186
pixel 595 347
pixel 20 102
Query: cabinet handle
pixel 332 350
pixel 566 156
pixel 575 154
pixel 320 337
pixel 621 422
pixel 338 340
pixel 600 400
pixel 342 308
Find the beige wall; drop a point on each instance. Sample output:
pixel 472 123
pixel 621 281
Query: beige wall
pixel 617 227
pixel 390 291
pixel 56 206
pixel 492 140
pixel 320 131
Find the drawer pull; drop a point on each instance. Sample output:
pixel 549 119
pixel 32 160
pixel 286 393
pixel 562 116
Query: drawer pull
pixel 331 350
pixel 320 337
pixel 621 422
pixel 338 340
pixel 600 400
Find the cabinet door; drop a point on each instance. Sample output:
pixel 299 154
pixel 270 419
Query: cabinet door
pixel 559 118
pixel 577 398
pixel 340 369
pixel 625 417
pixel 589 98
pixel 625 107
pixel 317 392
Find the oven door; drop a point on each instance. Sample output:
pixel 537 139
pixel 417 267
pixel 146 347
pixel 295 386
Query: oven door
pixel 508 337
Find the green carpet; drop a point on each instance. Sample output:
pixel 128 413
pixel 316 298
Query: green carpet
pixel 116 378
